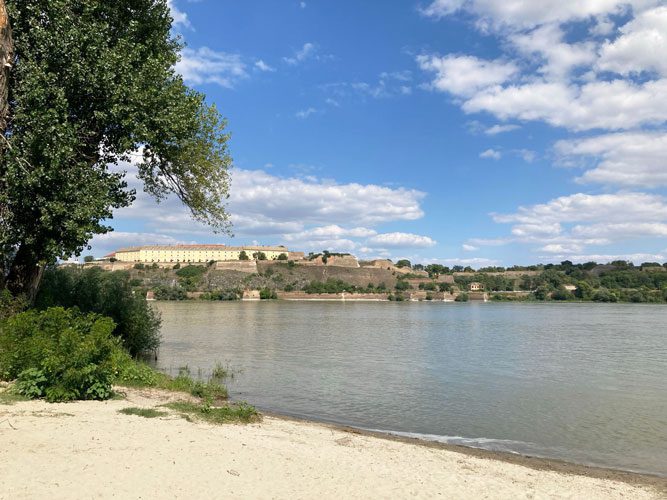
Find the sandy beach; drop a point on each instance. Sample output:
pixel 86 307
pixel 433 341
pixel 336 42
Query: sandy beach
pixel 89 449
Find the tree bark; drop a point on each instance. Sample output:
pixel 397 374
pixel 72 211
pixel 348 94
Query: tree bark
pixel 6 60
pixel 25 275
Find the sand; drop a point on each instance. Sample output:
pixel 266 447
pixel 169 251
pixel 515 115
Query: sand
pixel 89 450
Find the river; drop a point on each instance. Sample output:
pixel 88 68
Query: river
pixel 586 383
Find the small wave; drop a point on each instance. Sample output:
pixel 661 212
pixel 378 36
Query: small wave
pixel 506 445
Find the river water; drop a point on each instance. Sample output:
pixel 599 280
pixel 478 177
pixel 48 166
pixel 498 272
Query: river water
pixel 585 383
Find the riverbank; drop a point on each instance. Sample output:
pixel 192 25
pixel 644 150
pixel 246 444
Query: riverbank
pixel 89 449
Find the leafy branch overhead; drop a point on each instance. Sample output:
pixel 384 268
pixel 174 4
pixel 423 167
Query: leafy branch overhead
pixel 91 83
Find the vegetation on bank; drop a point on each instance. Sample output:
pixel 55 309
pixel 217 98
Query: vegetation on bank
pixel 92 290
pixel 60 354
pixel 618 281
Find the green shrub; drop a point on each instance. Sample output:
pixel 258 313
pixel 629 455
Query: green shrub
pixel 190 271
pixel 604 295
pixel 9 305
pixel 462 297
pixel 108 294
pixel 59 354
pixel 267 294
pixel 562 294
pixel 132 373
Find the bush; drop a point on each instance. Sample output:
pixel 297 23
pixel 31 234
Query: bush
pixel 59 354
pixel 402 285
pixel 462 297
pixel 562 294
pixel 267 294
pixel 139 266
pixel 604 295
pixel 10 305
pixel 108 294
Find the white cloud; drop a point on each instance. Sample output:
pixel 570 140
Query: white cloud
pixel 309 214
pixel 520 14
pixel 501 129
pixel 570 224
pixel 330 232
pixel 265 203
pixel 308 51
pixel 543 75
pixel 442 8
pixel 636 258
pixel 316 201
pixel 625 158
pixel 526 154
pixel 622 230
pixel 642 45
pixel 401 240
pixel 626 207
pixel 491 154
pixel 205 66
pixel 302 5
pixel 555 57
pixel 180 18
pixel 613 105
pixel 465 75
pixel 469 248
pixel 262 66
pixel 305 113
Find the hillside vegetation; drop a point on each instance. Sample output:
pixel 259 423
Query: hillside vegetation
pixel 617 281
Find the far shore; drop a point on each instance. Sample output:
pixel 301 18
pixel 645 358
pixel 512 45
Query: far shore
pixel 89 449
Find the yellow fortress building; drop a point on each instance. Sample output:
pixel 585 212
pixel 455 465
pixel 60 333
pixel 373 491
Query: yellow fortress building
pixel 199 253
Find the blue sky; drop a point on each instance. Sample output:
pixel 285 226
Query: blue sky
pixel 474 132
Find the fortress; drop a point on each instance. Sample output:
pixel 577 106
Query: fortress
pixel 201 253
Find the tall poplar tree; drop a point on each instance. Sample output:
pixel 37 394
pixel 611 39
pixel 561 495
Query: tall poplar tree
pixel 89 83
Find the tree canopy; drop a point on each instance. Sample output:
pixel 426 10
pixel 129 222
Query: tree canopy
pixel 92 84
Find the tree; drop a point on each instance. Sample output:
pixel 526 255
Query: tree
pixel 435 270
pixel 6 61
pixel 404 263
pixel 243 255
pixel 88 258
pixel 259 256
pixel 85 96
pixel 282 256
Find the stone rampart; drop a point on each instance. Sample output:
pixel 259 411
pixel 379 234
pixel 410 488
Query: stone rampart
pixel 244 266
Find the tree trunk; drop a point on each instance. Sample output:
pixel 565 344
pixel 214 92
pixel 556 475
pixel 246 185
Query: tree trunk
pixel 25 275
pixel 6 60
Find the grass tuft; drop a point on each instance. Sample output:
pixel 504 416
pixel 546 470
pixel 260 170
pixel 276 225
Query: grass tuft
pixel 133 373
pixel 143 412
pixel 9 397
pixel 235 412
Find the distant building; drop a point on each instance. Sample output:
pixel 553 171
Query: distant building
pixel 475 287
pixel 570 288
pixel 199 253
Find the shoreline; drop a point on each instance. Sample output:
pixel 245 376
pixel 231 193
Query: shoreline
pixel 534 462
pixel 88 448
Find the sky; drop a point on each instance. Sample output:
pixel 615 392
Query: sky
pixel 460 132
